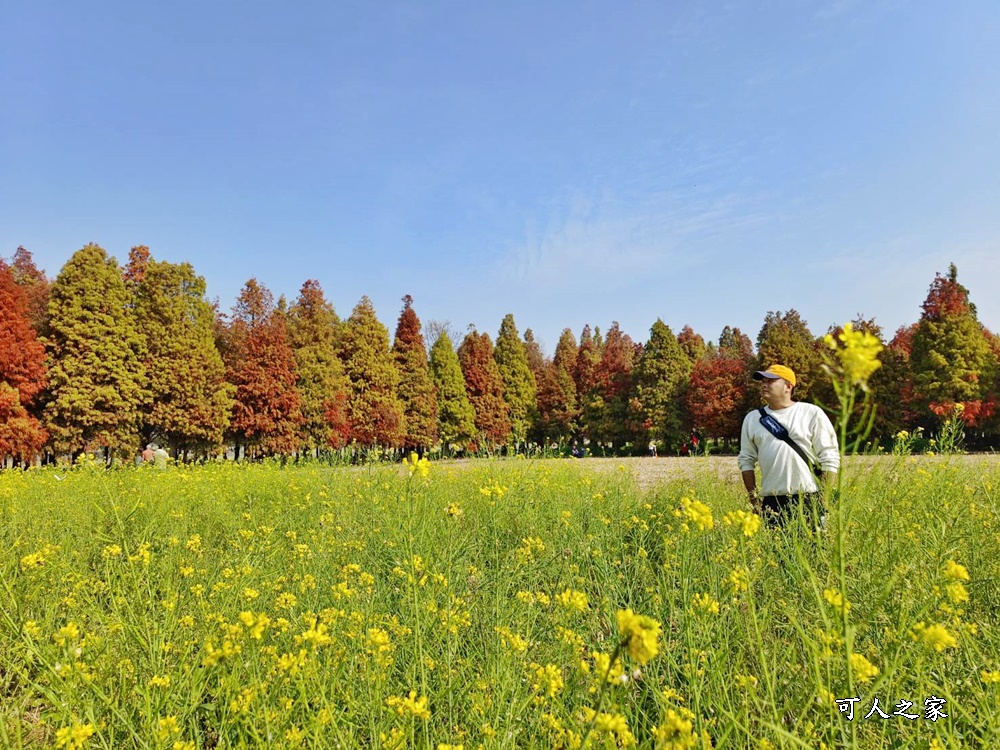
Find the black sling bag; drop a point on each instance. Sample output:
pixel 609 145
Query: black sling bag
pixel 779 430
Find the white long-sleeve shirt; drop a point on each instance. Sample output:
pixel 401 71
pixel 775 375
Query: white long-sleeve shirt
pixel 782 471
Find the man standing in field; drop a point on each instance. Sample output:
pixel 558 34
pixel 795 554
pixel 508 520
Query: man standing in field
pixel 788 439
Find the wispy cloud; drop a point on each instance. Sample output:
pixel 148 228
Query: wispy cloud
pixel 596 240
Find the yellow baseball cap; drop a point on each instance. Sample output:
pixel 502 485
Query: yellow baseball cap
pixel 774 372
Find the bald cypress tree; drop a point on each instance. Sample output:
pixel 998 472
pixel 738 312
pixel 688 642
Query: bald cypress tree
pixel 190 400
pixel 416 389
pixel 484 387
pixel 261 364
pixel 784 339
pixel 456 417
pixel 312 332
pixel 692 344
pixel 374 409
pixel 518 380
pixel 22 373
pixel 97 380
pixel 37 287
pixel 606 410
pixel 952 360
pixel 661 378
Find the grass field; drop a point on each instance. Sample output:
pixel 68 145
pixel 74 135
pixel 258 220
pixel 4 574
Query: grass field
pixel 233 605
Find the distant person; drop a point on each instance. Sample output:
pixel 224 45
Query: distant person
pixel 147 455
pixel 652 448
pixel 576 451
pixel 790 440
pixel 160 457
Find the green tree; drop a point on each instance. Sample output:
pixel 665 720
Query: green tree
pixel 190 401
pixel 312 331
pixel 785 339
pixel 518 380
pixel 416 389
pixel 97 378
pixel 951 360
pixel 374 409
pixel 484 387
pixel 456 417
pixel 661 377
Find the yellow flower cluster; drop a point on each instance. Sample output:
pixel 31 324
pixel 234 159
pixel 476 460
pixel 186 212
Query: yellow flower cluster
pixel 857 352
pixel 411 705
pixel 75 736
pixel 748 522
pixel 955 572
pixel 612 726
pixel 697 513
pixel 640 635
pixel 420 466
pixel 934 636
pixel 836 600
pixel 573 600
pixel 705 603
pixel 863 669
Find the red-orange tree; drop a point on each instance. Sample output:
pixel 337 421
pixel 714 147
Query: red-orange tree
pixel 484 387
pixel 22 373
pixel 261 364
pixel 416 389
pixel 606 411
pixel 36 286
pixel 719 393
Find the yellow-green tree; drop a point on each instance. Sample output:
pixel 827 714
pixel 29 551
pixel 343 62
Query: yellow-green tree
pixel 518 381
pixel 312 331
pixel 97 381
pixel 190 401
pixel 456 417
pixel 784 339
pixel 374 409
pixel 416 389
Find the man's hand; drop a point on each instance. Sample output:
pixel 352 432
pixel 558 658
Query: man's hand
pixel 750 482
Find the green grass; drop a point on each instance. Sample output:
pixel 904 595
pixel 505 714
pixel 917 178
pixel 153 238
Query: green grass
pixel 131 601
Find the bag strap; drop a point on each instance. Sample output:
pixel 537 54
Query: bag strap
pixel 778 430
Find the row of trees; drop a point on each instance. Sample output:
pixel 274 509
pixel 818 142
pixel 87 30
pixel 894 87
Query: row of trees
pixel 110 357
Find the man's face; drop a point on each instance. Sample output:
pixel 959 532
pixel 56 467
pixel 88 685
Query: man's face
pixel 773 388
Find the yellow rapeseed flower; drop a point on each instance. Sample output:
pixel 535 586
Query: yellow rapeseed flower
pixel 705 603
pixel 836 599
pixel 68 633
pixel 863 669
pixel 955 572
pixel 957 592
pixel 857 352
pixel 990 678
pixel 748 522
pixel 166 728
pixel 640 634
pixel 420 466
pixel 573 600
pixel 935 636
pixel 411 705
pixel 74 737
pixel 696 512
pixel 613 725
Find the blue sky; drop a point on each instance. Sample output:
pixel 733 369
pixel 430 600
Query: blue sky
pixel 568 163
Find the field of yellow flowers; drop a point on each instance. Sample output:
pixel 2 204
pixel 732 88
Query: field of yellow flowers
pixel 511 604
